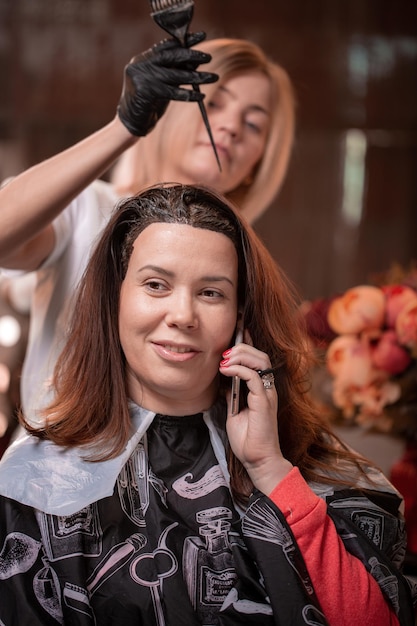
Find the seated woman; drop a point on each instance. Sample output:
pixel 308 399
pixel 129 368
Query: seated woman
pixel 144 499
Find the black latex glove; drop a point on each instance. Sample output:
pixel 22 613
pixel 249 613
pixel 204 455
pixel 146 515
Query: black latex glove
pixel 153 78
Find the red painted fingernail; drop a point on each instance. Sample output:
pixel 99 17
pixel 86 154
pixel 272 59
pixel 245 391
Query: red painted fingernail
pixel 227 352
pixel 224 363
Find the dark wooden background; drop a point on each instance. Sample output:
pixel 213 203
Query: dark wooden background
pixel 354 67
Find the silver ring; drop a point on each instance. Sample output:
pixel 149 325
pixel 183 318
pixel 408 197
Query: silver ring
pixel 267 377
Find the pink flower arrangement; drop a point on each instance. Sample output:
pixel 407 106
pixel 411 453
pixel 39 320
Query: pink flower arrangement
pixel 374 351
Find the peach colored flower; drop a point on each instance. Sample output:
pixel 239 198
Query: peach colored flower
pixel 406 326
pixel 348 360
pixel 360 308
pixel 357 382
pixel 388 355
pixel 371 358
pixel 367 401
pixel 342 399
pixel 396 298
pixel 374 398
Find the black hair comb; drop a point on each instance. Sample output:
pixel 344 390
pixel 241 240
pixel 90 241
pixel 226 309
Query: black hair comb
pixel 174 16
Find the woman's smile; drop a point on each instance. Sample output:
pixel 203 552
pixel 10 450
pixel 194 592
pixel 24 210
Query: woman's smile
pixel 178 353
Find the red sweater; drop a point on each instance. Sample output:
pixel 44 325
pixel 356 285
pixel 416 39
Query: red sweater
pixel 346 592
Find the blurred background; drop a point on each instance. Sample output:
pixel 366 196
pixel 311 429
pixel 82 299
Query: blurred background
pixel 348 207
pixel 348 210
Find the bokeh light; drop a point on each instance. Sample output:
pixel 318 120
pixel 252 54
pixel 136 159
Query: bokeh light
pixel 10 331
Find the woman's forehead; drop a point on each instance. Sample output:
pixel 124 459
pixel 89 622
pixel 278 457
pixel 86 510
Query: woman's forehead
pixel 160 238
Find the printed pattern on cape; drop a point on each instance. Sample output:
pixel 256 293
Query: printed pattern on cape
pixel 169 548
pixel 271 542
pixel 364 522
pixel 159 551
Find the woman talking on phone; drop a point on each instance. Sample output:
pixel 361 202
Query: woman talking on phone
pixel 51 214
pixel 143 498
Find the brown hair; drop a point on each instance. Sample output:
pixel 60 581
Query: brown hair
pixel 91 401
pixel 139 166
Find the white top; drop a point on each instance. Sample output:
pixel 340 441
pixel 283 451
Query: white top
pixel 76 230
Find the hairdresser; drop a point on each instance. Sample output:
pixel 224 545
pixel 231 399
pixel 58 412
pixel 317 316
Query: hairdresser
pixel 143 498
pixel 51 214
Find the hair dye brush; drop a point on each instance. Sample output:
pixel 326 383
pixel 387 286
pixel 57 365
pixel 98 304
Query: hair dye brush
pixel 174 16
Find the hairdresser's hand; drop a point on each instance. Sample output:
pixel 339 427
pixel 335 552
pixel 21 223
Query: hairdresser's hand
pixel 253 432
pixel 153 78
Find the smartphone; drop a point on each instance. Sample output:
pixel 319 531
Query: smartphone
pixel 234 399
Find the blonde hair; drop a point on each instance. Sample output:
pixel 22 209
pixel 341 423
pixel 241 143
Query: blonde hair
pixel 138 167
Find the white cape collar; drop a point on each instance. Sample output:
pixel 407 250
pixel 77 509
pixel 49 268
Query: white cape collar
pixel 60 481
